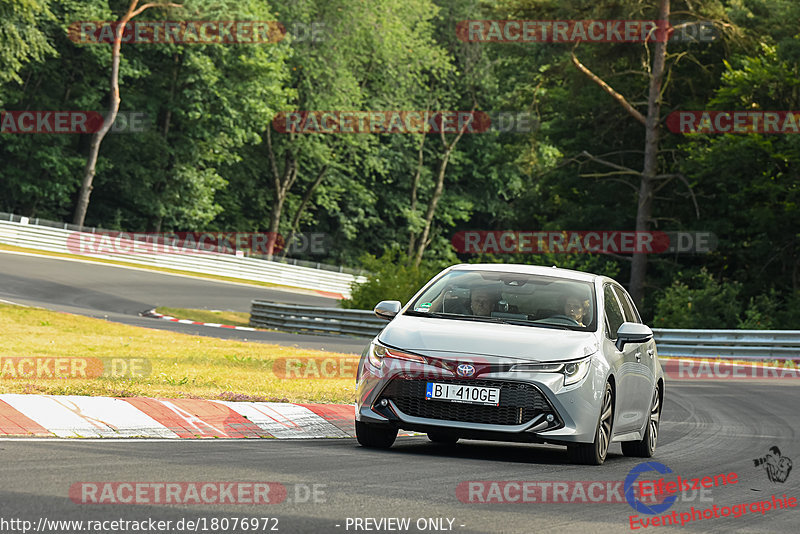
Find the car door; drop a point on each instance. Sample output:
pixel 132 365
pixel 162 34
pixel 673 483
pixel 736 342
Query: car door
pixel 644 370
pixel 623 362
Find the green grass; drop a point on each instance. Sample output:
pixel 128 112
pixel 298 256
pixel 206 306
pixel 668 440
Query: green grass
pixel 207 316
pixel 180 365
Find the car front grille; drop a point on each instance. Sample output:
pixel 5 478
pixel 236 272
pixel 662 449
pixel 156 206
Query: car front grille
pixel 519 402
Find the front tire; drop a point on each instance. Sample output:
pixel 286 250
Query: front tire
pixel 375 436
pixel 646 447
pixel 595 453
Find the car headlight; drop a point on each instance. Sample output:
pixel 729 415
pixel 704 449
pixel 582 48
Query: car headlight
pixel 573 371
pixel 377 353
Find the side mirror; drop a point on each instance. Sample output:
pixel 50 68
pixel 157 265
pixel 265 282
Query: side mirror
pixel 632 333
pixel 387 309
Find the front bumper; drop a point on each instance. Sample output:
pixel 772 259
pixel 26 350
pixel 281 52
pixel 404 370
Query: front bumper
pixel 534 406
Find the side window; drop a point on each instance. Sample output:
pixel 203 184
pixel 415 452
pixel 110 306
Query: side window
pixel 627 306
pixel 614 317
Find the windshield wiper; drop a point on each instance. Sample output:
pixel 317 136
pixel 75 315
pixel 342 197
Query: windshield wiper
pixel 481 319
pixel 551 325
pixel 458 316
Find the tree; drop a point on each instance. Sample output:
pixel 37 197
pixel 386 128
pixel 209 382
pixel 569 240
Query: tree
pixel 21 37
pixel 633 74
pixel 372 56
pixel 94 147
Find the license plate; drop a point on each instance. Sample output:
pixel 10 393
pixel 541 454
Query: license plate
pixel 459 393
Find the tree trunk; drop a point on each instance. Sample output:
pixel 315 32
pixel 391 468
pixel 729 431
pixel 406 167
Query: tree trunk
pixel 423 242
pixel 113 108
pixel 412 239
pixel 97 138
pixel 650 169
pixel 302 208
pixel 282 182
pixel 437 194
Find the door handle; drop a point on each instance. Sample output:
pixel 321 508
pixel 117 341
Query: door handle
pixel 650 352
pixel 638 356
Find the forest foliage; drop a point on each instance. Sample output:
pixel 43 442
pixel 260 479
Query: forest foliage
pixel 210 158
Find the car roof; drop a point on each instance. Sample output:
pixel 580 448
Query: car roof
pixel 528 269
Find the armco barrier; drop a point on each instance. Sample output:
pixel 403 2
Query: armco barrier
pixel 295 318
pixel 728 344
pixel 738 344
pixel 21 233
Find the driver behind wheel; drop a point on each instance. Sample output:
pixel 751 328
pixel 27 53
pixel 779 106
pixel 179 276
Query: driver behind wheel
pixel 574 309
pixel 483 301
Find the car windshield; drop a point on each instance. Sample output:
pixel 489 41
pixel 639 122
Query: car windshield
pixel 523 299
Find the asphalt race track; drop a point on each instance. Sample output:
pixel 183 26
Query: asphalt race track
pixel 708 428
pixel 119 294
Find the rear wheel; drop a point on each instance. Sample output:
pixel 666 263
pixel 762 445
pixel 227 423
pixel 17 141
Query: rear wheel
pixel 646 447
pixel 443 438
pixel 375 436
pixel 595 453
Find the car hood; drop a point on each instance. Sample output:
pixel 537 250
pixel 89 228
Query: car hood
pixel 430 336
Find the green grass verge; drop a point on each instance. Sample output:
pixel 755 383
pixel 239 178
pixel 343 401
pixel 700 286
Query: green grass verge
pixel 180 365
pixel 207 316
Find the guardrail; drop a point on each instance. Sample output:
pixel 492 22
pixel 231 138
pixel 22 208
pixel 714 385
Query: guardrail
pixel 22 233
pixel 312 319
pixel 738 344
pixel 727 344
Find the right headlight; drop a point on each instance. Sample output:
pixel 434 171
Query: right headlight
pixel 377 354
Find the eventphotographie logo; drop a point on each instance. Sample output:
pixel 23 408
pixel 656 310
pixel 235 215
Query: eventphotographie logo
pixel 777 467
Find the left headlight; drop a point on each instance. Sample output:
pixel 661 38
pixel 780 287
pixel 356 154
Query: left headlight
pixel 573 371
